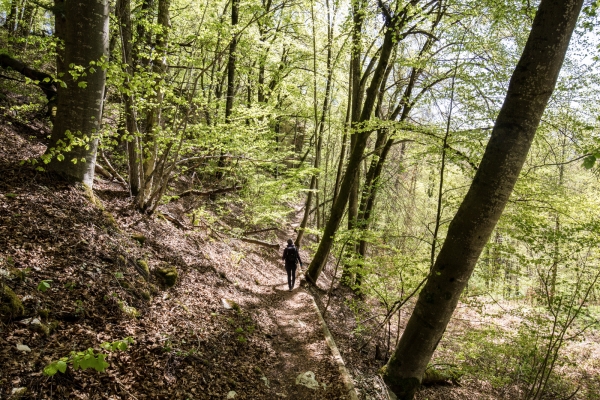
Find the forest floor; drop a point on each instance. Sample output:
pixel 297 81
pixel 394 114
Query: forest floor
pixel 228 328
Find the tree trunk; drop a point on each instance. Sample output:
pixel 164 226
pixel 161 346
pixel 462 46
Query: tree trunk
pixel 531 85
pixel 235 9
pixel 11 19
pixel 24 25
pixel 231 65
pixel 316 266
pixel 123 11
pixel 154 116
pixel 358 11
pixel 314 181
pixel 370 193
pixel 73 144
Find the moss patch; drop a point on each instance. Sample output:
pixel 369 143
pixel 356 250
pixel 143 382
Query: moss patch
pixel 112 223
pixel 444 375
pixel 167 275
pixel 138 237
pixel 142 268
pixel 403 388
pixel 10 304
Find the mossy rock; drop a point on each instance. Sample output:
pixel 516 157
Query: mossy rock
pixel 44 329
pixel 167 275
pixel 138 237
pixel 124 284
pixel 142 267
pixel 146 295
pixel 112 222
pixel 153 289
pixel 44 314
pixel 10 304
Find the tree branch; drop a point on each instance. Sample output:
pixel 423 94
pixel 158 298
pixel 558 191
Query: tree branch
pixel 49 87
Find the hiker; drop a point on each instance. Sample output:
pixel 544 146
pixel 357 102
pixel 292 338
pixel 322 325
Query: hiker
pixel 291 257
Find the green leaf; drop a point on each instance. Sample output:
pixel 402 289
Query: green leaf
pixel 61 366
pixel 589 162
pixel 82 84
pixel 44 285
pixel 60 157
pixel 50 370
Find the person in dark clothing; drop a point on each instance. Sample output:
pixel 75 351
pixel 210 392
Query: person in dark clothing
pixel 291 257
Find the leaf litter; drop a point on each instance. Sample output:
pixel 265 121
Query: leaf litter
pixel 187 344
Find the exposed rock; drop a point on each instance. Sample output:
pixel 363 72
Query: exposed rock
pixel 167 275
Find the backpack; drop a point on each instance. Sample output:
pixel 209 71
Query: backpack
pixel 290 255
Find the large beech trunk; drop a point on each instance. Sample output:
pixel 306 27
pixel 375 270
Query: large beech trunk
pixel 73 142
pixel 531 85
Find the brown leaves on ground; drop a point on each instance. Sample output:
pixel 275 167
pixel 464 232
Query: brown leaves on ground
pixel 187 345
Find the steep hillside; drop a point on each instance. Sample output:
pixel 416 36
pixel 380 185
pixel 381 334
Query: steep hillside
pixel 90 269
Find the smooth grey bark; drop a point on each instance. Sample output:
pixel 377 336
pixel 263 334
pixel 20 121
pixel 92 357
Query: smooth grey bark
pixel 80 105
pixel 530 87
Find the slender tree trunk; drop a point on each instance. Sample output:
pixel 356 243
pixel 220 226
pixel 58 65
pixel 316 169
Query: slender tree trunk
pixel 390 40
pixel 11 19
pixel 370 195
pixel 123 11
pixel 231 62
pixel 358 11
pixel 342 159
pixel 231 65
pixel 314 181
pixel 556 251
pixel 531 85
pixel 80 105
pixel 154 116
pixel 26 19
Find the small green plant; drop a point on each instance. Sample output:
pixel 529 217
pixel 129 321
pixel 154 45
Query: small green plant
pixel 88 359
pixel 44 285
pixel 79 307
pixel 70 285
pixel 119 345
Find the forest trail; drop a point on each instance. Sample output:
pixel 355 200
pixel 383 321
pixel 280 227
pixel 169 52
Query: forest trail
pixel 188 345
pixel 293 327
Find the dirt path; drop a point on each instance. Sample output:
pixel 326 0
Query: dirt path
pixel 290 322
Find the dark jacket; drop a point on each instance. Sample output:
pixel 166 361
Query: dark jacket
pixel 289 263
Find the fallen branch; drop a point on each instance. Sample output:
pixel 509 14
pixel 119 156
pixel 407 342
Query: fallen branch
pixel 113 171
pixel 259 231
pixel 260 242
pixel 209 193
pixel 48 86
pixel 174 220
pixel 99 169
